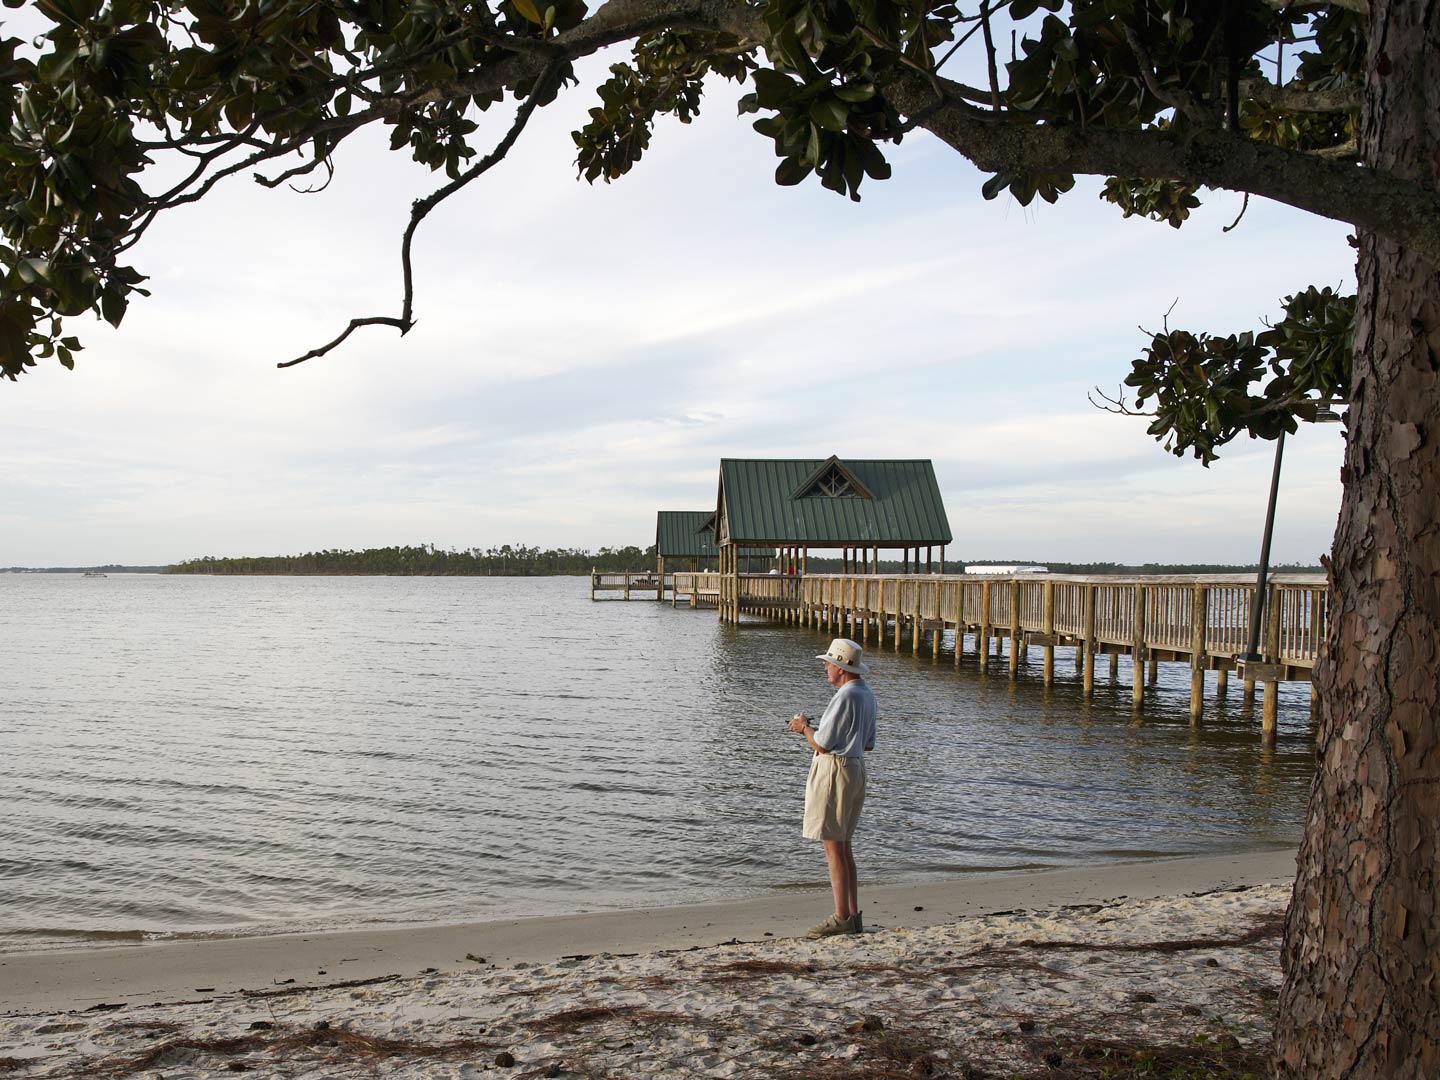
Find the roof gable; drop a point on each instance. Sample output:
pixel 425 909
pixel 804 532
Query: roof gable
pixel 819 502
pixel 832 481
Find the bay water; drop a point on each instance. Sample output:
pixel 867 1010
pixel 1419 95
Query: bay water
pixel 198 756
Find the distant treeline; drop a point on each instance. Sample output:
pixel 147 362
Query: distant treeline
pixel 522 561
pixel 429 561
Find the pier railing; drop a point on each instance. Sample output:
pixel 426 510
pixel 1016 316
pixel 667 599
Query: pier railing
pixel 1204 614
pixel 626 582
pixel 699 588
pixel 1202 620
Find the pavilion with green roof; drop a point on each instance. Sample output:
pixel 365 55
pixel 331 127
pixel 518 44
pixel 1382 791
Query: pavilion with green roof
pixel 859 506
pixel 685 540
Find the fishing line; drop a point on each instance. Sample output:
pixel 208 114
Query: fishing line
pixel 725 689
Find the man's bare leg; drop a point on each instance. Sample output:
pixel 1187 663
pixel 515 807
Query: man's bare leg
pixel 841 862
pixel 854 881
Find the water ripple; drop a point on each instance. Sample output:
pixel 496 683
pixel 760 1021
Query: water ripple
pixel 183 757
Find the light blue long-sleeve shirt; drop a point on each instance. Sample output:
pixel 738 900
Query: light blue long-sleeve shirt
pixel 847 727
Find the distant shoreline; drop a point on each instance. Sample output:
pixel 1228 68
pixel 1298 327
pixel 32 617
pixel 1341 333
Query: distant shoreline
pixel 83 569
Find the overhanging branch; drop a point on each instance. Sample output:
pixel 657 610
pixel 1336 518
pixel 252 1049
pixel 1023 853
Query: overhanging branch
pixel 421 209
pixel 1284 99
pixel 1406 213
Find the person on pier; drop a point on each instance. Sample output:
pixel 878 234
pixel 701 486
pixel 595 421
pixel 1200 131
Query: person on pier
pixel 835 790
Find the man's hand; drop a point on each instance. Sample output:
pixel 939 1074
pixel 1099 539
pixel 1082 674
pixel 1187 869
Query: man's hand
pixel 799 723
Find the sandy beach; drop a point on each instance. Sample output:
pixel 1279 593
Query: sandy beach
pixel 1025 973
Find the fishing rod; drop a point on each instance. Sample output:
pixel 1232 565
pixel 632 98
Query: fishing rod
pixel 752 703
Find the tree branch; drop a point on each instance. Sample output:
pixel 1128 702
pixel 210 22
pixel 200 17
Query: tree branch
pixel 1285 99
pixel 421 209
pixel 300 170
pixel 995 96
pixel 355 324
pixel 1360 7
pixel 1178 99
pixel 1366 198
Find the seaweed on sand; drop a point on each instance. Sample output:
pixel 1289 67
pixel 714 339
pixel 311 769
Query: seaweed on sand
pixel 323 1042
pixel 1271 926
pixel 633 1015
pixel 878 1052
pixel 1111 1059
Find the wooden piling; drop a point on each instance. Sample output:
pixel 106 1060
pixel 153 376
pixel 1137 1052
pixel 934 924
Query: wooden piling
pixel 1137 654
pixel 1272 654
pixel 959 614
pixel 1198 615
pixel 1248 683
pixel 982 642
pixel 1049 633
pixel 1014 628
pixel 1088 645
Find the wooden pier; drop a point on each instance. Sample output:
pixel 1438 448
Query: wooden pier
pixel 1200 620
pixel 627 582
pixel 697 589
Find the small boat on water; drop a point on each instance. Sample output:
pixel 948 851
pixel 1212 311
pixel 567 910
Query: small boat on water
pixel 95 573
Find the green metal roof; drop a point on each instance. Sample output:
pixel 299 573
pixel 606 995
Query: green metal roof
pixel 682 533
pixel 690 534
pixel 794 501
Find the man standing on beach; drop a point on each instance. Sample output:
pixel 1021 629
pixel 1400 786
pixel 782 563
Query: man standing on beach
pixel 835 791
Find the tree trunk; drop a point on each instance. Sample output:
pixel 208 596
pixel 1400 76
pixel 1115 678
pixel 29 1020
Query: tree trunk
pixel 1362 944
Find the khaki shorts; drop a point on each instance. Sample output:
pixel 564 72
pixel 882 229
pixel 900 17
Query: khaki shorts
pixel 834 794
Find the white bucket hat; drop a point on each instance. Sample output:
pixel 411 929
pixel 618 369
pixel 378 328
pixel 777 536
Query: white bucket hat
pixel 845 654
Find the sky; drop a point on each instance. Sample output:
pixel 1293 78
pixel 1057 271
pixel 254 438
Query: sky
pixel 585 355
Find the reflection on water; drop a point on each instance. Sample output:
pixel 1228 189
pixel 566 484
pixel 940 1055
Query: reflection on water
pixel 186 755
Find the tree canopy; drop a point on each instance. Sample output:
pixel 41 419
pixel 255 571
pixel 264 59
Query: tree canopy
pixel 124 110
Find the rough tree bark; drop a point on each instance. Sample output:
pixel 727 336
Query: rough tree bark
pixel 1362 947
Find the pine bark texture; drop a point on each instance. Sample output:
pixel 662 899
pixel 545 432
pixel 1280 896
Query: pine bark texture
pixel 1362 946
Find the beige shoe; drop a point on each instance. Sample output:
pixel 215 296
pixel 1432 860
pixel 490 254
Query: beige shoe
pixel 829 928
pixel 857 925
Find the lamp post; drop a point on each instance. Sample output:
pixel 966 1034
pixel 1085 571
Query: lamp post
pixel 1325 415
pixel 1257 603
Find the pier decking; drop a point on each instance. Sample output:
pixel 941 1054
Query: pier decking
pixel 626 582
pixel 1201 620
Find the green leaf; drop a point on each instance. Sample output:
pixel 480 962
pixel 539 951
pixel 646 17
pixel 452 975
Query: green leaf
pixel 830 114
pixel 856 93
pixel 996 184
pixel 112 306
pixel 528 10
pixel 33 271
pixel 791 172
